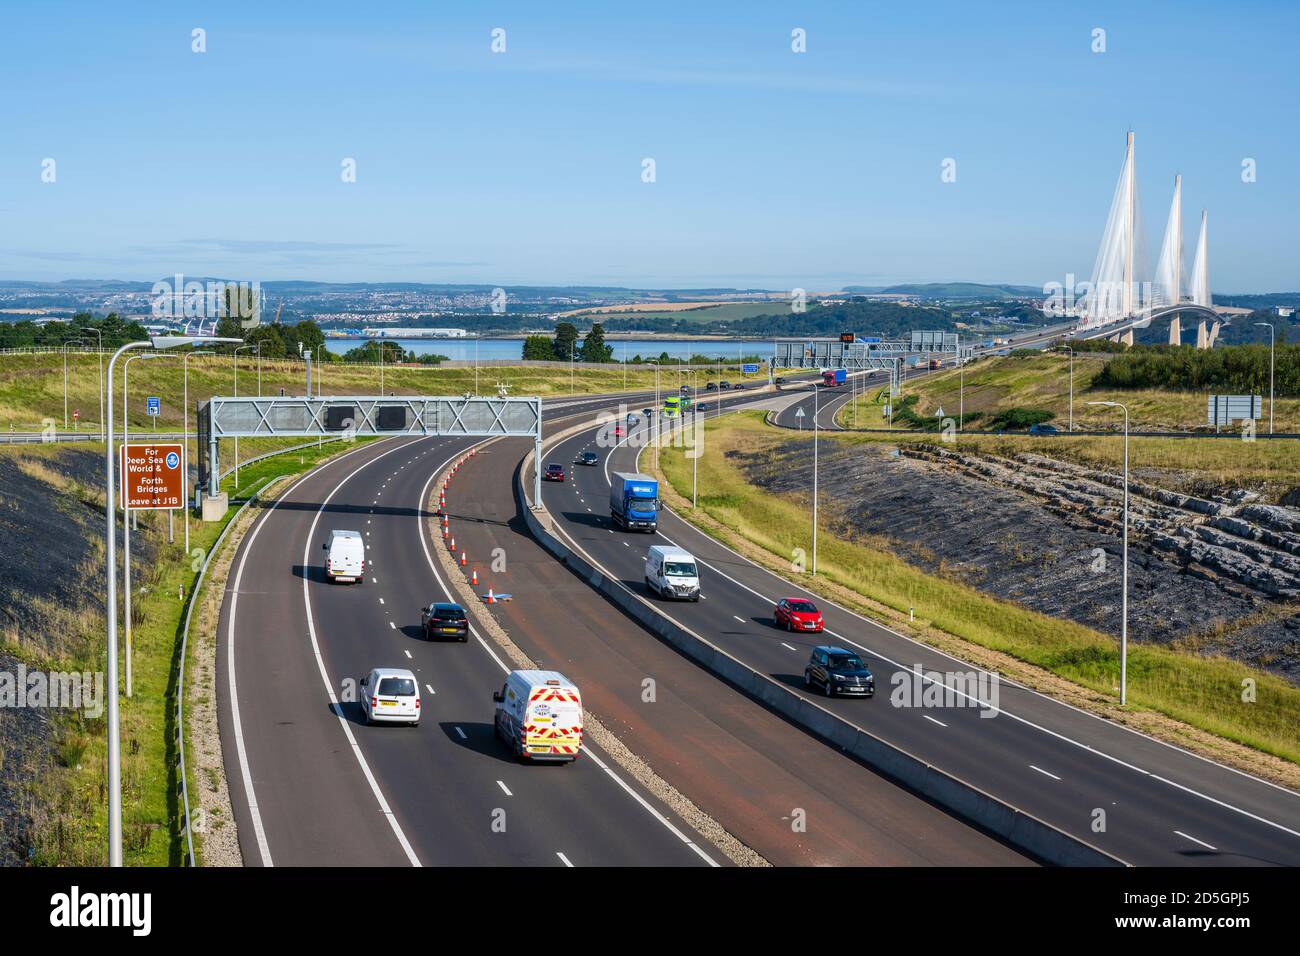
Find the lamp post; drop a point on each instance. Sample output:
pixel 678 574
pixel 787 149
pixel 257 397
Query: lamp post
pixel 1071 351
pixel 1123 633
pixel 961 393
pixel 657 417
pixel 65 379
pixel 126 524
pixel 381 365
pixel 259 369
pixel 572 348
pixel 100 353
pixel 1271 343
pixel 238 349
pixel 695 434
pixel 114 783
pixel 185 419
pixel 817 408
pixel 320 371
pixel 476 364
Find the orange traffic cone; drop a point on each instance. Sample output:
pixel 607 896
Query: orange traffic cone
pixel 490 598
pixel 445 532
pixel 462 559
pixel 473 577
pixel 453 544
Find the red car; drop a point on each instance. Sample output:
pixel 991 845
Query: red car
pixel 798 614
pixel 554 472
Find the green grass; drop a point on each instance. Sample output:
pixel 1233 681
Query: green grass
pixel 1202 691
pixel 31 386
pixel 995 385
pixel 71 819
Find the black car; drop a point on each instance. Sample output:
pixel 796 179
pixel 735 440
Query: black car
pixel 780 380
pixel 444 621
pixel 725 386
pixel 738 387
pixel 838 671
pixel 711 387
pixel 587 458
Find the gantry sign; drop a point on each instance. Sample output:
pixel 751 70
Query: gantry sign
pixel 364 416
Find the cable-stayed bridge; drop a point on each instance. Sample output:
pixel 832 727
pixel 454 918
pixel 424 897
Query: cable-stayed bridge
pixel 1125 294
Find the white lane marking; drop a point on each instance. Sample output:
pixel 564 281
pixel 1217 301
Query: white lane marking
pixel 392 625
pixel 564 859
pixel 784 644
pixel 1194 840
pixel 429 688
pixel 504 788
pixel 505 669
pixel 381 600
pixel 739 618
pixel 934 721
pixel 384 806
pixel 408 654
pixel 250 794
pixel 462 734
pixel 1002 710
pixel 1044 772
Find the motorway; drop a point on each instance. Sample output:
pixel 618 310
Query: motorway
pixel 1141 800
pixel 746 767
pixel 312 785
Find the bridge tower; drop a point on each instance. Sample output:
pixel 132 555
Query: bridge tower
pixel 1200 285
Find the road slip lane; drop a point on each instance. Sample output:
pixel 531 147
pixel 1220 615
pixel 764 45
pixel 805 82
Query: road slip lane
pixel 775 788
pixel 1122 775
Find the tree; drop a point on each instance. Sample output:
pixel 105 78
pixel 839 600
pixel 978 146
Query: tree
pixel 566 339
pixel 594 348
pixel 538 348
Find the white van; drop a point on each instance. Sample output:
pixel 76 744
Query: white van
pixel 671 573
pixel 390 695
pixel 345 556
pixel 539 715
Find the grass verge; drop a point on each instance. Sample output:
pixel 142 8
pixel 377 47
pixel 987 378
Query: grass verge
pixel 1195 701
pixel 69 799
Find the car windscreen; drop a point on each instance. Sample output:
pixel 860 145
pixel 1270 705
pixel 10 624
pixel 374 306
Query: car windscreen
pixel 803 607
pixel 448 613
pixel 846 662
pixel 679 569
pixel 396 687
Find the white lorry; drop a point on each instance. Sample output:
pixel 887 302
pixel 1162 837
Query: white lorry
pixel 345 556
pixel 671 573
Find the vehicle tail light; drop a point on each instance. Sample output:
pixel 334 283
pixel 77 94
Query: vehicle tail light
pixel 417 703
pixel 374 701
pixel 327 564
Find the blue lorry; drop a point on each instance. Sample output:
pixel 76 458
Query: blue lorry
pixel 634 501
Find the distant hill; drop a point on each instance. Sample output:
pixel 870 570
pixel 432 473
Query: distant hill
pixel 951 290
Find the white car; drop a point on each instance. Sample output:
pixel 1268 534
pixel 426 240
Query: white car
pixel 671 573
pixel 390 695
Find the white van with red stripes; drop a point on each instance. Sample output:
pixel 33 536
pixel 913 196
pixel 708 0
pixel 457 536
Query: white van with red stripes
pixel 539 715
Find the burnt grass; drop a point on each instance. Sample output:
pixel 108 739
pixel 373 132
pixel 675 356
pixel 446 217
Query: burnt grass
pixel 1012 547
pixel 51 541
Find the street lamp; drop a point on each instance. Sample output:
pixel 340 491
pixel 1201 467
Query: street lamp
pixel 126 524
pixel 239 349
pixel 185 420
pixel 1123 633
pixel 1271 343
pixel 657 417
pixel 65 378
pixel 695 433
pixel 817 408
pixel 110 600
pixel 1071 351
pixel 100 353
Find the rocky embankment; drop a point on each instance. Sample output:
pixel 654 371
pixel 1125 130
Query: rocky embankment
pixel 1217 574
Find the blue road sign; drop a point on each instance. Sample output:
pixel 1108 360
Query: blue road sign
pixel 155 405
pixel 749 368
pixel 173 460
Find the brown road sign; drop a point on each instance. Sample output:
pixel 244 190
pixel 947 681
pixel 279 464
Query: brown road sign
pixel 153 476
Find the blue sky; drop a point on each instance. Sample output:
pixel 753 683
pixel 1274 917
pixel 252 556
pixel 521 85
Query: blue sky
pixel 773 168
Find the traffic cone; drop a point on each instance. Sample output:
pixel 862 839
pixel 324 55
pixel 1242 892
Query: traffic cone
pixel 473 577
pixel 491 599
pixel 445 532
pixel 453 544
pixel 462 559
pixel 444 521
